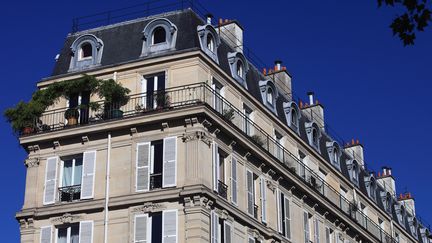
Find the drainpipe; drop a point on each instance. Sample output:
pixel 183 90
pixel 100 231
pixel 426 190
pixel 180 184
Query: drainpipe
pixel 107 177
pixel 115 76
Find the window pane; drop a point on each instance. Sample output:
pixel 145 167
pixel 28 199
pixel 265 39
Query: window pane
pixel 62 235
pixel 78 171
pixel 86 50
pixel 159 35
pixel 75 234
pixel 67 173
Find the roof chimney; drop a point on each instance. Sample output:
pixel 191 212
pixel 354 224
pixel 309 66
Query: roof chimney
pixel 315 111
pixel 278 65
pixel 311 97
pixel 355 149
pixel 281 78
pixel 408 201
pixel 387 180
pixel 209 17
pixel 232 33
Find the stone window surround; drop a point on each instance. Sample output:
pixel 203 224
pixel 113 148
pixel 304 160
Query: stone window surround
pixel 354 169
pixel 76 63
pixel 265 85
pixel 233 58
pixel 203 32
pixel 331 148
pixel 288 107
pixel 171 37
pixel 310 127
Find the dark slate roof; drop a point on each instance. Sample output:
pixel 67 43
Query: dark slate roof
pixel 123 43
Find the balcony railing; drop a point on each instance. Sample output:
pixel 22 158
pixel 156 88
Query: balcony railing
pixel 222 189
pixel 255 211
pixel 202 94
pixel 155 181
pixel 69 193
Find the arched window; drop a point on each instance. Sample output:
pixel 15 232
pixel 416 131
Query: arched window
pixel 353 168
pixel 239 67
pixel 85 51
pixel 270 96
pixel 294 117
pixel 210 43
pixel 335 155
pixel 355 172
pixel 159 35
pixel 372 188
pixel 314 134
pixel 314 137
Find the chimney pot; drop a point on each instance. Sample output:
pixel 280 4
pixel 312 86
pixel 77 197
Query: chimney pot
pixel 220 21
pixel 278 64
pixel 209 17
pixel 264 71
pixel 301 104
pixel 352 141
pixel 311 97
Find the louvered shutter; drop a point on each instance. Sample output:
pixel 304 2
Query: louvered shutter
pixel 279 210
pixel 142 167
pixel 306 226
pixel 88 175
pixel 327 235
pixel 169 170
pixel 86 232
pixel 250 194
pixel 287 218
pixel 234 180
pixel 227 232
pixel 169 226
pixel 263 197
pixel 251 240
pixel 144 91
pixel 316 231
pixel 50 181
pixel 214 227
pixel 141 231
pixel 46 234
pixel 215 155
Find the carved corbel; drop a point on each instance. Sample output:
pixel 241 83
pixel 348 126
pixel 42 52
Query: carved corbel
pixel 31 162
pixel 149 207
pixel 66 218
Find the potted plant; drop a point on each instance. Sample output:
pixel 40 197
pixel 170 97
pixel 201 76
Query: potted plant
pixel 228 114
pixel 23 116
pixel 162 100
pixel 72 115
pixel 257 139
pixel 115 96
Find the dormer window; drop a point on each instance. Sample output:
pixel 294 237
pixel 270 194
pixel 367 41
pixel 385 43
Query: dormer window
pixel 160 35
pixel 353 168
pixel 371 186
pixel 314 134
pixel 269 97
pixel 238 66
pixel 292 115
pixel 209 41
pixel 269 94
pixel 386 201
pixel 412 222
pixel 86 52
pixel 334 153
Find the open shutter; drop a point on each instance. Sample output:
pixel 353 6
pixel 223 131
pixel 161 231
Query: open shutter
pixel 250 193
pixel 251 239
pixel 227 232
pixel 279 210
pixel 215 155
pixel 316 231
pixel 287 217
pixel 327 235
pixel 50 181
pixel 88 175
pixel 169 169
pixel 306 226
pixel 234 180
pixel 214 227
pixel 169 226
pixel 263 197
pixel 142 182
pixel 46 234
pixel 86 232
pixel 141 229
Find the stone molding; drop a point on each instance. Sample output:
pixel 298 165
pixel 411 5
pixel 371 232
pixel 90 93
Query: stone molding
pixel 199 135
pixel 66 218
pixel 31 162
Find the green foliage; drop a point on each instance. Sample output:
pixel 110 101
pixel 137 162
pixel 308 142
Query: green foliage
pixel 228 114
pixel 23 115
pixel 257 139
pixel 416 17
pixel 162 99
pixel 72 112
pixel 113 92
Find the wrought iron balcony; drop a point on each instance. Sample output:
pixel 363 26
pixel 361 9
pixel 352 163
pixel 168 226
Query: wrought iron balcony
pixel 69 193
pixel 222 189
pixel 155 181
pixel 255 211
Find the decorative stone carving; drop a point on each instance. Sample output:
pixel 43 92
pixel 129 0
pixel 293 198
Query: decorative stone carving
pixel 66 218
pixel 26 223
pixel 149 208
pixel 32 162
pixel 271 185
pixel 197 201
pixel 203 136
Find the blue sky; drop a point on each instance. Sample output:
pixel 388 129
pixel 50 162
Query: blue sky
pixel 372 87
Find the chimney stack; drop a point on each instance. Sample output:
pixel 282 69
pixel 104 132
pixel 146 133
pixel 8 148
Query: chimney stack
pixel 355 149
pixel 388 181
pixel 280 77
pixel 408 201
pixel 232 33
pixel 209 17
pixel 314 111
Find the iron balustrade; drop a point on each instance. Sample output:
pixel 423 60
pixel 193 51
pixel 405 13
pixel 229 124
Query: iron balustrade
pixel 155 181
pixel 255 211
pixel 69 193
pixel 222 189
pixel 203 94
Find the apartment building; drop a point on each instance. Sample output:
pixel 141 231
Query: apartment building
pixel 226 156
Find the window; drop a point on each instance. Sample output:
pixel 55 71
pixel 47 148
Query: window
pixel 68 234
pixel 329 235
pixel 221 230
pixel 238 67
pixel 314 134
pixel 386 200
pixel 334 153
pixel 353 168
pixel 156 164
pixel 219 184
pixel 306 226
pixel 210 43
pixel 371 186
pixel 250 190
pixel 70 187
pixel 283 214
pixel 156 227
pixel 269 94
pixel 278 146
pixel 247 120
pixel 263 199
pixel 316 231
pixel 233 180
pixel 86 52
pixel 292 115
pixel 153 90
pixel 159 35
pixel 80 102
pixel 218 96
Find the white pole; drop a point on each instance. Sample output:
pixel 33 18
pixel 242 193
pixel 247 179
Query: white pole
pixel 107 189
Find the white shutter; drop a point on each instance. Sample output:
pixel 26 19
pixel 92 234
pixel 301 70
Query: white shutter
pixel 316 231
pixel 287 217
pixel 263 197
pixel 216 172
pixel 144 93
pixel 142 229
pixel 50 181
pixel 228 232
pixel 88 175
pixel 46 234
pixel 279 210
pixel 250 192
pixel 214 227
pixel 169 169
pixel 86 232
pixel 306 226
pixel 142 182
pixel 169 226
pixel 234 180
pixel 251 239
pixel 327 235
